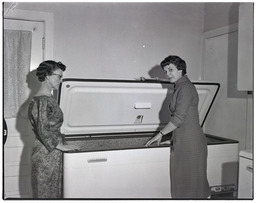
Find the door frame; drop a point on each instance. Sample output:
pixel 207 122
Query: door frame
pixel 46 18
pixel 211 34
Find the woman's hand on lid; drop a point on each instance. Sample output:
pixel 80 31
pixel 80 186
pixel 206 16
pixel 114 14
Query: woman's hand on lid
pixel 165 142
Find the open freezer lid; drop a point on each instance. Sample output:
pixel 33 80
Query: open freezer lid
pixel 98 106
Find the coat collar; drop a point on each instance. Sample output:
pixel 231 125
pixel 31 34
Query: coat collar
pixel 184 78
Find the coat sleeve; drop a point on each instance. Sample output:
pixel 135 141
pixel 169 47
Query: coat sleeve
pixel 183 103
pixel 46 133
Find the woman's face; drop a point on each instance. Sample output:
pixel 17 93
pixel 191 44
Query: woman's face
pixel 172 72
pixel 55 79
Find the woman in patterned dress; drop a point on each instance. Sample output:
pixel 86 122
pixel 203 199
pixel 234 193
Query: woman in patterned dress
pixel 188 162
pixel 46 118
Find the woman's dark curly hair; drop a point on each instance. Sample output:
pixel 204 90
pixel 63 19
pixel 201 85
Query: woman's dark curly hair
pixel 177 61
pixel 47 68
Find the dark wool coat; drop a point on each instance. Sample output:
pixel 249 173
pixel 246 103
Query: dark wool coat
pixel 46 118
pixel 188 162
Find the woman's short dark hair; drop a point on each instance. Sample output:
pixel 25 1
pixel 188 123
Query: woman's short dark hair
pixel 47 68
pixel 175 60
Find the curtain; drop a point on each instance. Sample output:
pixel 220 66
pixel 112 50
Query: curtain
pixel 17 56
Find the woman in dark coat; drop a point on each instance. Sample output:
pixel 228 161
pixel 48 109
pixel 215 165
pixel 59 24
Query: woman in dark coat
pixel 188 162
pixel 46 118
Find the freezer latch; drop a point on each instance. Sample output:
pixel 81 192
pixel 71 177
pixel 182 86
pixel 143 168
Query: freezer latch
pixel 139 119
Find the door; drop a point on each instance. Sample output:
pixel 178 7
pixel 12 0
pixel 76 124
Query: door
pixel 17 149
pixel 229 114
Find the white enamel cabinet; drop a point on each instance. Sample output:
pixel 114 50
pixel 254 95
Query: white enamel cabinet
pixel 134 173
pixel 245 186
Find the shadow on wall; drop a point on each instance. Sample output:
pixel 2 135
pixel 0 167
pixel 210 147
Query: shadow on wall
pixel 27 137
pixel 164 113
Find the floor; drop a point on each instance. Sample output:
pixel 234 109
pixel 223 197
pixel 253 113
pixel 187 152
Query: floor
pixel 224 196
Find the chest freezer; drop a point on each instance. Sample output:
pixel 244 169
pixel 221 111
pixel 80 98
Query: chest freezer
pixel 111 121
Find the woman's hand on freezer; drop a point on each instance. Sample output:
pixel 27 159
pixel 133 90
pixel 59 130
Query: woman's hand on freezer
pixel 68 148
pixel 166 142
pixel 157 139
pixel 71 148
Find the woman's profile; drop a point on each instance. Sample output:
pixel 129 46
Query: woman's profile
pixel 46 118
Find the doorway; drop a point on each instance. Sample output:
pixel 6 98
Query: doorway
pixel 17 149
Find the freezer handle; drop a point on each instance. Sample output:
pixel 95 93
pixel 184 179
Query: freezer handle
pixel 97 160
pixel 145 105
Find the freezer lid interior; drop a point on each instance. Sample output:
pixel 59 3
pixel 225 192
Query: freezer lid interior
pixel 93 106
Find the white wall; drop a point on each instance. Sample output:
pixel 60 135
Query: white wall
pixel 124 40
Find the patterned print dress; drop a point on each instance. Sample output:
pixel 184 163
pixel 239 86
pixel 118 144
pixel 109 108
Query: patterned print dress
pixel 188 162
pixel 46 118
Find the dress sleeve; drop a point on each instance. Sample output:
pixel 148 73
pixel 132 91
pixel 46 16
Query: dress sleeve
pixel 47 134
pixel 183 103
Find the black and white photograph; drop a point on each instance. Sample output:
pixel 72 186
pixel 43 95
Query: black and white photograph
pixel 128 100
